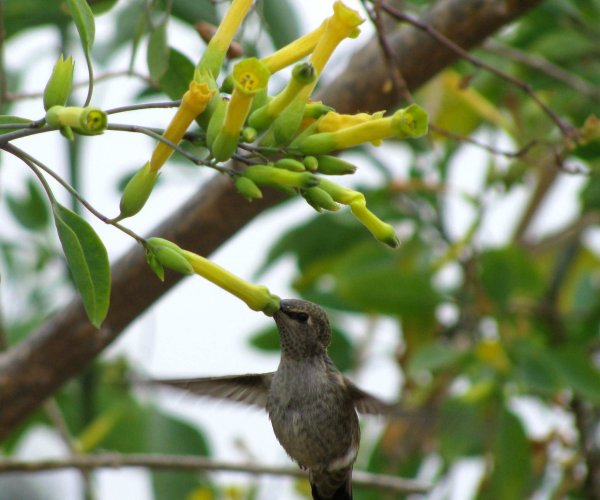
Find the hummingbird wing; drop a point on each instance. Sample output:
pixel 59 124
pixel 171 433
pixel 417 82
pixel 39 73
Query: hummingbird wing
pixel 371 405
pixel 251 389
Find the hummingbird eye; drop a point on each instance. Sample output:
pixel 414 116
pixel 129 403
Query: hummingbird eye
pixel 301 317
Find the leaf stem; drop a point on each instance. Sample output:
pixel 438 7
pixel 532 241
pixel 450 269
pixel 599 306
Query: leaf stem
pixel 36 165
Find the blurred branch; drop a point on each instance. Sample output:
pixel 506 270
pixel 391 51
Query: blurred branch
pixel 57 418
pixel 184 462
pixel 67 342
pixel 544 66
pixel 397 80
pixel 109 75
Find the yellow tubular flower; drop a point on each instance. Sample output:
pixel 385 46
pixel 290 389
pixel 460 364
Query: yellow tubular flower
pixel 193 103
pixel 408 122
pixel 343 23
pixel 257 297
pixel 294 51
pixel 250 77
pixel 382 231
pixel 213 56
pixel 333 121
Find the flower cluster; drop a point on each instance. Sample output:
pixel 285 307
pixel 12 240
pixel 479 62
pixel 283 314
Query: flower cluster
pixel 285 140
pixel 287 124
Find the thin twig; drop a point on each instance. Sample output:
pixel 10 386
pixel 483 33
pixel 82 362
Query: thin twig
pixel 157 135
pixel 567 131
pixel 185 462
pixel 25 132
pixel 11 97
pixel 34 164
pixel 489 148
pixel 148 105
pixel 398 82
pixel 544 66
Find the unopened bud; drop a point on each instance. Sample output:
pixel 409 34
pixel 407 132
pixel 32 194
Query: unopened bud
pixel 277 177
pixel 247 188
pixel 290 164
pixel 137 191
pixel 59 85
pixel 332 165
pixel 169 255
pixel 320 199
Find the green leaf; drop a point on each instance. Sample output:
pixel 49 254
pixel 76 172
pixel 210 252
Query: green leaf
pixel 462 428
pixel 158 51
pixel 281 21
pixel 175 81
pixel 432 357
pixel 535 368
pixel 512 460
pixel 83 18
pixel 88 261
pixel 9 120
pixel 578 371
pixel 507 273
pixel 30 210
pixel 100 7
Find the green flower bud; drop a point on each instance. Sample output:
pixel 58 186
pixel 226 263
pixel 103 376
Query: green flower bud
pixel 286 125
pixel 224 146
pixel 320 199
pixel 216 121
pixel 247 188
pixel 169 255
pixel 89 120
pixel 316 110
pixel 227 85
pixel 59 85
pixel 311 163
pixel 290 164
pixel 277 177
pixel 332 165
pixel 249 134
pixel 137 191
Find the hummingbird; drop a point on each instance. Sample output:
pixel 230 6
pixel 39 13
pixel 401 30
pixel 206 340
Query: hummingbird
pixel 311 405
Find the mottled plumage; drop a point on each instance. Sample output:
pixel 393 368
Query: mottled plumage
pixel 312 406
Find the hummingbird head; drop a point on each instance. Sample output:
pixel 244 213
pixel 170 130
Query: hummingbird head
pixel 303 328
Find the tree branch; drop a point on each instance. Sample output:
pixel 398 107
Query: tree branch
pixel 67 342
pixel 196 463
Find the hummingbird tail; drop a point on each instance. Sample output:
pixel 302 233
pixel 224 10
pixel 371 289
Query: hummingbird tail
pixel 335 485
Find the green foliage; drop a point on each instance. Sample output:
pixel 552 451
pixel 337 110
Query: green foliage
pixel 31 210
pixel 87 260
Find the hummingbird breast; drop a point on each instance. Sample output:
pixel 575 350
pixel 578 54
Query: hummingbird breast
pixel 312 415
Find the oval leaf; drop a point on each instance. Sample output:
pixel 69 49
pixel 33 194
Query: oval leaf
pixel 88 261
pixel 158 53
pixel 9 120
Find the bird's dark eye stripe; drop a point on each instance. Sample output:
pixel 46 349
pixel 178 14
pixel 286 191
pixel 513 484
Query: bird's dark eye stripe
pixel 302 317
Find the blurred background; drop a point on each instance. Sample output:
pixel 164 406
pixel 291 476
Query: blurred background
pixel 486 317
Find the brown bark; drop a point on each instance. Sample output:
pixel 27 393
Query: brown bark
pixel 66 343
